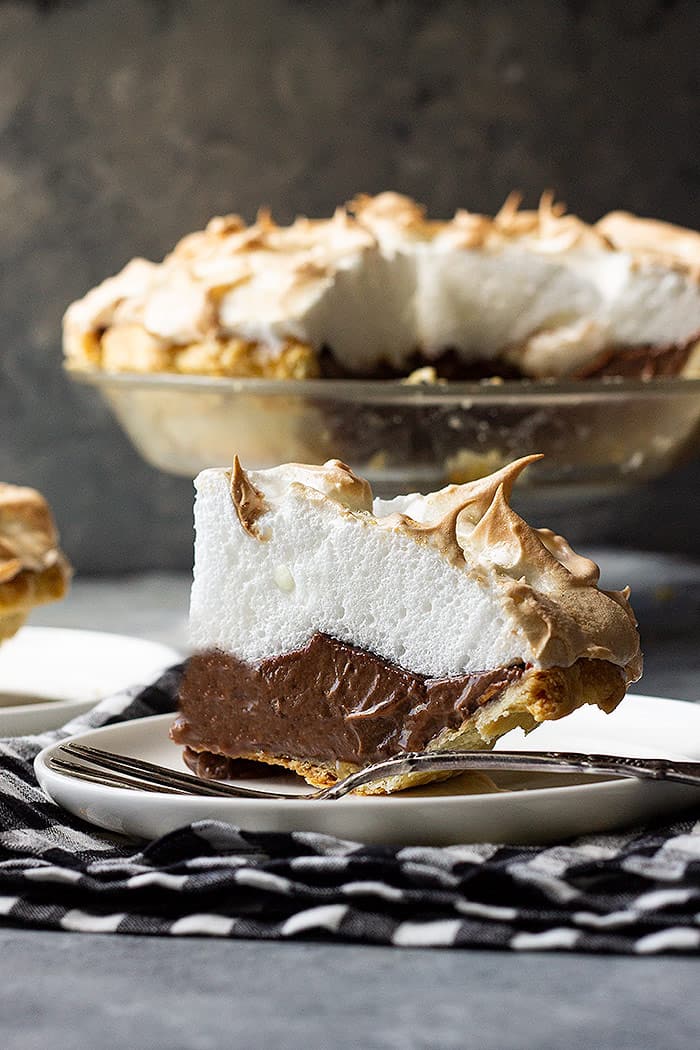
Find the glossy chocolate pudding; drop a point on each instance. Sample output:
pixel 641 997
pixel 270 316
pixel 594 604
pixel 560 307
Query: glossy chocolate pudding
pixel 325 702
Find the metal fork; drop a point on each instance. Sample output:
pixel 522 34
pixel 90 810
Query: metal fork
pixel 105 767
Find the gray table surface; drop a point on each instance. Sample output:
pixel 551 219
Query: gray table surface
pixel 68 990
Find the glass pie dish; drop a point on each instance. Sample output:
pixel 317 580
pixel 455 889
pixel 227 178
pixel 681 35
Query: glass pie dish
pixel 596 435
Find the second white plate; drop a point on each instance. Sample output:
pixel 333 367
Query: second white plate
pixel 523 809
pixel 48 675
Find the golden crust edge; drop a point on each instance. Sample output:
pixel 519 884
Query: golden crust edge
pixel 28 588
pixel 10 624
pixel 132 348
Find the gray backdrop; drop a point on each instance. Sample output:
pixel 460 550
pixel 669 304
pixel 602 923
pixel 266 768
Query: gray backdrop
pixel 126 124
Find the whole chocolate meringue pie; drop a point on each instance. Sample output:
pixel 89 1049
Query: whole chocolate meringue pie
pixel 380 290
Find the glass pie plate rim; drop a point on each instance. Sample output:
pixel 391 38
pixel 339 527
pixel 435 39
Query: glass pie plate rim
pixel 597 434
pixel 392 390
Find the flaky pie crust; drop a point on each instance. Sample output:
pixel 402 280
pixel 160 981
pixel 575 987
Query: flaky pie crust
pixel 33 569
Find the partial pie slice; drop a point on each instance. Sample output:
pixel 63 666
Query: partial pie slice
pixel 332 630
pixel 33 569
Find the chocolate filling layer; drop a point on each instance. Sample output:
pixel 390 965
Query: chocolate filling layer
pixel 448 365
pixel 323 703
pixel 630 362
pixel 638 362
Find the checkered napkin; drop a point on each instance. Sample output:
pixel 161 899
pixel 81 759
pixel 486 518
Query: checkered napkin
pixel 637 893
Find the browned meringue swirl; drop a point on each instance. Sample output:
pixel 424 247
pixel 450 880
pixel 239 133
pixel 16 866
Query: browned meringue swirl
pixel 549 591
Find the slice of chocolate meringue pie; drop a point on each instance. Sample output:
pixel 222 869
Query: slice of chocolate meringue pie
pixel 33 570
pixel 332 631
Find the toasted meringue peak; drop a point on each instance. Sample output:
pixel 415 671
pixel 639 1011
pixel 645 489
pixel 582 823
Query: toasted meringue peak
pixel 392 216
pixel 223 224
pixel 443 584
pixel 583 571
pixel 652 238
pixel 445 518
pixel 334 480
pixel 479 493
pixel 561 609
pixel 508 211
pixel 249 502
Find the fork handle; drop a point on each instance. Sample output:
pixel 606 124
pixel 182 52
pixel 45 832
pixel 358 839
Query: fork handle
pixel 527 761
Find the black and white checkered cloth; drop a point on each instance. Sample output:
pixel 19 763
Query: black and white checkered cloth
pixel 637 892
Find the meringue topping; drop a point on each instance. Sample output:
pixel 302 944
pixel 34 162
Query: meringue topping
pixel 443 584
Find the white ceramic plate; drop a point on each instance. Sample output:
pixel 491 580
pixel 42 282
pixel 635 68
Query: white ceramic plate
pixel 48 675
pixel 527 809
